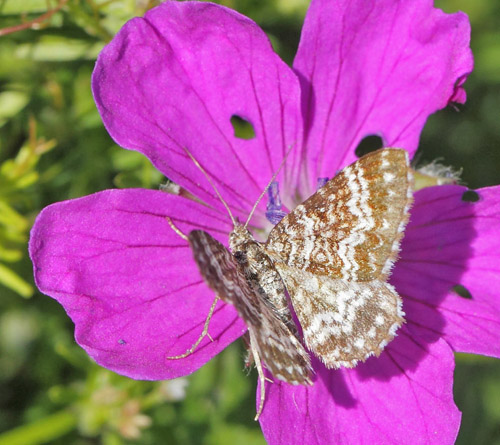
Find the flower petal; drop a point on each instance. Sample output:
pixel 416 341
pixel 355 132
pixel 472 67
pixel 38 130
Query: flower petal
pixel 129 282
pixel 467 325
pixel 380 68
pixel 173 80
pixel 451 242
pixel 437 245
pixel 404 396
pixel 482 277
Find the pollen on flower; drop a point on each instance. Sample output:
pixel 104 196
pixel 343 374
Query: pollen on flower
pixel 435 173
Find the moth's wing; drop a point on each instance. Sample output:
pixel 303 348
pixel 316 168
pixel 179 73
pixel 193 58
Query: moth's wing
pixel 282 353
pixel 351 228
pixel 343 322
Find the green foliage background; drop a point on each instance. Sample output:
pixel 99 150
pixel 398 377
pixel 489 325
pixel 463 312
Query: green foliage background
pixel 53 147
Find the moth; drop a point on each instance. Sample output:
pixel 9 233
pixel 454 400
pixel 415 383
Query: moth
pixel 333 255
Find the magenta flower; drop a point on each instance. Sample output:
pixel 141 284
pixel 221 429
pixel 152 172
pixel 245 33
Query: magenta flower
pixel 174 79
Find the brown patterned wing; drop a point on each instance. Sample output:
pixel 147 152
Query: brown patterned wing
pixel 335 252
pixel 282 353
pixel 351 228
pixel 343 322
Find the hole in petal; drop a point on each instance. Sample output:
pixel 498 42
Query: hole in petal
pixel 461 291
pixel 242 128
pixel 368 144
pixel 470 196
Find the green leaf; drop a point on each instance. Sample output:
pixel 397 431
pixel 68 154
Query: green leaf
pixel 235 434
pixel 41 431
pixel 22 7
pixel 11 103
pixel 10 255
pixel 488 57
pixel 11 219
pixel 59 49
pixel 492 397
pixel 13 281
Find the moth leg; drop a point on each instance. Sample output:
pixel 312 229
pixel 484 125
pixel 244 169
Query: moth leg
pixel 203 334
pixel 176 229
pixel 260 371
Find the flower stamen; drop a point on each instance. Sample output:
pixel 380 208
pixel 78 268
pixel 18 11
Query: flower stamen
pixel 274 214
pixel 321 182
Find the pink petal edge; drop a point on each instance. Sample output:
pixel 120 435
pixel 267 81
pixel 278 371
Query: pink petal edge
pixel 129 282
pixel 404 396
pixel 376 69
pixel 450 242
pixel 215 63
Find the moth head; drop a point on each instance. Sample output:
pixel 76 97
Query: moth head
pixel 239 236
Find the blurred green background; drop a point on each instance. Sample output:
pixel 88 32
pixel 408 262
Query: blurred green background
pixel 53 147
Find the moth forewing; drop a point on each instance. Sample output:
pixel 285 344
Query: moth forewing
pixel 335 252
pixel 279 349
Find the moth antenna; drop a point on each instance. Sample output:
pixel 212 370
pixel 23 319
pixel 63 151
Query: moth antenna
pixel 267 186
pixel 233 220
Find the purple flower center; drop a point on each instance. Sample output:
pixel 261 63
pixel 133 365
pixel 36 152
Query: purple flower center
pixel 274 214
pixel 321 182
